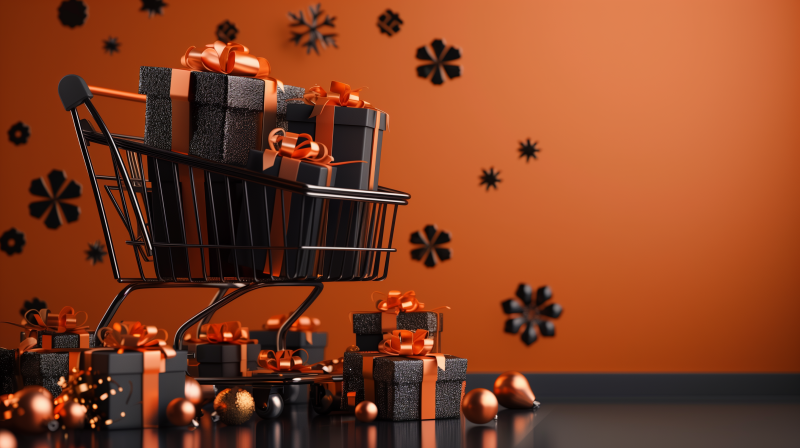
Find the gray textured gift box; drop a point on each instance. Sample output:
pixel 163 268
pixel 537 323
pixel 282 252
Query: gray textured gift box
pixel 125 370
pixel 225 112
pixel 398 385
pixel 367 327
pixel 44 369
pixel 61 340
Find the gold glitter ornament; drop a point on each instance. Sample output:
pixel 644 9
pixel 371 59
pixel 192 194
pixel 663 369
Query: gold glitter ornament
pixel 234 406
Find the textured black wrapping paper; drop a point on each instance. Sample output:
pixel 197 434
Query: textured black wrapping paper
pixel 62 340
pixel 8 384
pixel 125 370
pixel 367 326
pixel 44 369
pixel 398 385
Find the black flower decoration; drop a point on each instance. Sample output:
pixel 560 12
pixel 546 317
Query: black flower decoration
pixel 226 32
pixel 12 241
pixel 96 252
pixel 531 315
pixel 111 45
pixel 438 57
pixel 389 22
pixel 19 133
pixel 55 199
pixel 34 304
pixel 528 150
pixel 430 240
pixel 313 26
pixel 72 13
pixel 152 7
pixel 490 178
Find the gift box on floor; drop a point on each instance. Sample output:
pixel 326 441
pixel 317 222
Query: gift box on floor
pixel 44 369
pixel 398 387
pixel 223 350
pixel 370 326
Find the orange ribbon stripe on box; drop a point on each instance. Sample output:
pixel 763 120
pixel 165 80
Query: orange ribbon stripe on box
pixel 307 325
pixel 152 343
pixel 284 361
pixel 325 104
pixel 231 332
pixel 67 321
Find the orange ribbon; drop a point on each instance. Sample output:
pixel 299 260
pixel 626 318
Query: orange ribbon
pixel 285 144
pixel 151 342
pixel 397 302
pixel 67 321
pixel 231 332
pixel 228 58
pixel 308 325
pixel 284 361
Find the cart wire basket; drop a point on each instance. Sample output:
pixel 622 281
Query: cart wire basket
pixel 191 222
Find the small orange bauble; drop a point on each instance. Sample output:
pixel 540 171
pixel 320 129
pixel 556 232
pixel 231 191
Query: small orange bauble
pixel 34 409
pixel 513 391
pixel 479 406
pixel 72 415
pixel 7 439
pixel 180 412
pixel 366 411
pixel 192 390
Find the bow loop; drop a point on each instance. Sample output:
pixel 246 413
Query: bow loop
pixel 134 336
pixel 231 332
pixel 406 343
pixel 286 144
pixel 340 95
pixel 228 58
pixel 398 302
pixel 282 360
pixel 66 321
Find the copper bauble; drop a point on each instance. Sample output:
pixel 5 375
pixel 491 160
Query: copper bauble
pixel 513 391
pixel 7 439
pixel 366 411
pixel 34 409
pixel 479 406
pixel 72 415
pixel 192 391
pixel 234 406
pixel 180 412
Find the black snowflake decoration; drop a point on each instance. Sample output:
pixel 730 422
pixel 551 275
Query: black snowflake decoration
pixel 12 241
pixel 389 22
pixel 528 150
pixel 72 13
pixel 19 133
pixel 431 240
pixel 96 252
pixel 111 45
pixel 55 199
pixel 489 178
pixel 152 7
pixel 438 54
pixel 313 27
pixel 226 32
pixel 34 304
pixel 531 315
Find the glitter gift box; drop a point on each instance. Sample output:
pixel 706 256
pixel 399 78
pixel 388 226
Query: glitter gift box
pixel 8 382
pixel 223 360
pixel 125 407
pixel 369 331
pixel 44 369
pixel 398 385
pixel 61 340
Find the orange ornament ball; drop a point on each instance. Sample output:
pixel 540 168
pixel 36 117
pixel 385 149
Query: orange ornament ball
pixel 7 439
pixel 366 411
pixel 72 415
pixel 180 412
pixel 193 391
pixel 34 409
pixel 513 391
pixel 479 406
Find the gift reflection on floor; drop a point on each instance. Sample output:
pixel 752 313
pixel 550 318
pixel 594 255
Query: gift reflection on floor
pixel 301 427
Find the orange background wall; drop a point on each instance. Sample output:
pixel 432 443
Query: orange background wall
pixel 663 209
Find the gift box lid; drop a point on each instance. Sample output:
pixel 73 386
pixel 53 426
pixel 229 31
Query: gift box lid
pixel 130 362
pixel 227 91
pixel 400 370
pixel 348 116
pixel 294 339
pixel 218 353
pixel 61 340
pixel 370 323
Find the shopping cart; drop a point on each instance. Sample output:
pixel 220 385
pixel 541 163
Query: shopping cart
pixel 138 191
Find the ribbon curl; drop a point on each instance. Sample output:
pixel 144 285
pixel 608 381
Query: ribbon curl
pixel 66 321
pixel 340 95
pixel 406 343
pixel 284 361
pixel 133 336
pixel 231 332
pixel 228 58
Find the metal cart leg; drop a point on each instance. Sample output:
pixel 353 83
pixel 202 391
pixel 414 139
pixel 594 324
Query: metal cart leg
pixel 281 342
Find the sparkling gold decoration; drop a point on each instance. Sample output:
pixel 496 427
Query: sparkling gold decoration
pixel 479 406
pixel 513 391
pixel 234 406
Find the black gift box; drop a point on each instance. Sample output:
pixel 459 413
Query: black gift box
pixel 352 140
pixel 223 360
pixel 125 370
pixel 367 327
pixel 8 381
pixel 256 231
pixel 61 340
pixel 44 369
pixel 398 385
pixel 295 340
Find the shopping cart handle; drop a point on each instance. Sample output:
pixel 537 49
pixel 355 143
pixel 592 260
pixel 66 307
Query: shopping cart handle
pixel 73 91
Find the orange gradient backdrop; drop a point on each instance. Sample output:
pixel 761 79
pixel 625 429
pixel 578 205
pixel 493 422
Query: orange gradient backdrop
pixel 663 209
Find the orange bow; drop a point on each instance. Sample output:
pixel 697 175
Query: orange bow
pixel 286 145
pixel 397 302
pixel 133 336
pixel 231 332
pixel 406 343
pixel 283 360
pixel 66 321
pixel 305 324
pixel 227 58
pixel 340 95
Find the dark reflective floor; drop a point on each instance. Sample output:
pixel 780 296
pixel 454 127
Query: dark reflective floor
pixel 683 424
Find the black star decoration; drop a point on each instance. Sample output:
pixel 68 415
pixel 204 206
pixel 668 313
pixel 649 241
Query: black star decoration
pixel 389 22
pixel 226 32
pixel 532 315
pixel 438 54
pixel 152 7
pixel 312 26
pixel 12 241
pixel 19 133
pixel 34 304
pixel 96 252
pixel 55 199
pixel 72 13
pixel 431 240
pixel 528 150
pixel 111 45
pixel 489 178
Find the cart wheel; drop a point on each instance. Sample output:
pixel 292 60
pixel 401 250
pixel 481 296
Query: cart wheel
pixel 323 401
pixel 269 403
